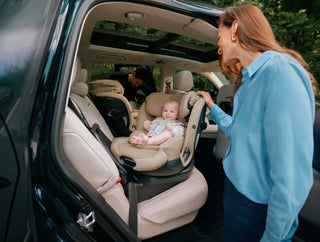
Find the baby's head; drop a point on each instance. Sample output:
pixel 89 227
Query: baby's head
pixel 170 110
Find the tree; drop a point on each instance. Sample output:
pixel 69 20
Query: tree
pixel 295 24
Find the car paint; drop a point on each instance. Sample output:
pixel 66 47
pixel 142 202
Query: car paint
pixel 40 200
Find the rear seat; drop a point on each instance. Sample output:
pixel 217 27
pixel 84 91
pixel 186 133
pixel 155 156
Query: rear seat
pixel 168 210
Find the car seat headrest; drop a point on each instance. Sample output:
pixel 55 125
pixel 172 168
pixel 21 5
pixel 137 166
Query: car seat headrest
pixel 80 87
pixel 100 87
pixel 75 71
pixel 183 81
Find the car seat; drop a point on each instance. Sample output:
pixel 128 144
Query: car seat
pixel 224 102
pixel 175 207
pixel 183 82
pixel 114 106
pixel 172 156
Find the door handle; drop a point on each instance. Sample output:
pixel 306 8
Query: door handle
pixel 4 182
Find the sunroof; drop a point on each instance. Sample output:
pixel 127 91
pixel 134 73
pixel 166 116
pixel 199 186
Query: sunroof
pixel 140 38
pixel 129 30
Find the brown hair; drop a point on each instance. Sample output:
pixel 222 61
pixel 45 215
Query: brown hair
pixel 254 33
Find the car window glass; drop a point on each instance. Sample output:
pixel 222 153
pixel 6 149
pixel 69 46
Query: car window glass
pixel 103 70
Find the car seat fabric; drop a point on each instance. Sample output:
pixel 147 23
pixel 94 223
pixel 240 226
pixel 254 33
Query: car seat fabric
pixel 183 82
pixel 170 209
pixel 114 107
pixel 172 152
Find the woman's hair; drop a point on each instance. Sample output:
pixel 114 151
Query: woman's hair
pixel 255 34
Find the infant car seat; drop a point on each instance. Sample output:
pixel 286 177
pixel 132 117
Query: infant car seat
pixel 175 154
pixel 113 105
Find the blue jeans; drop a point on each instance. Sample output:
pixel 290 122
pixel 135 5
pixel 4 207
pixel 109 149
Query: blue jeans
pixel 244 220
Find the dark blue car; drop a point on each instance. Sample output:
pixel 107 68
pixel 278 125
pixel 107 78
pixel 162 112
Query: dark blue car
pixel 67 172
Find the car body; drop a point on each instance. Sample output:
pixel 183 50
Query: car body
pixel 42 197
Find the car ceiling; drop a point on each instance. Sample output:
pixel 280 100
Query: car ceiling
pixel 172 22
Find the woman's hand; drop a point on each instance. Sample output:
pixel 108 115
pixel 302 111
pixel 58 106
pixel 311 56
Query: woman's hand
pixel 207 98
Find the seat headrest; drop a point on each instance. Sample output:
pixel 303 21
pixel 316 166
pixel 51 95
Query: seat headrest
pixel 80 87
pixel 76 71
pixel 155 102
pixel 100 87
pixel 78 79
pixel 183 81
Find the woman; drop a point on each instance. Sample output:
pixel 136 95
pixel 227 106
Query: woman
pixel 268 165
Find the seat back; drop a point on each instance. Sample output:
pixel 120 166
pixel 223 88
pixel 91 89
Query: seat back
pixel 113 105
pixel 79 144
pixel 183 82
pixel 224 102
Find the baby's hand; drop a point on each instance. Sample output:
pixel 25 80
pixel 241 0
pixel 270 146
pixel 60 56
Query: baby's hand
pixel 168 127
pixel 147 124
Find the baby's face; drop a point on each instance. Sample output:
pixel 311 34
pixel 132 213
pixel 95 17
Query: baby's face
pixel 170 111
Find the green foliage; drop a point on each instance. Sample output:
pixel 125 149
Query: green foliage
pixel 295 24
pixel 129 29
pixel 101 71
pixel 201 83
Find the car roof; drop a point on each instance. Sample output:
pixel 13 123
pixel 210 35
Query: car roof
pixel 119 32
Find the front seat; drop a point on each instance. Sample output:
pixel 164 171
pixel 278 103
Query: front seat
pixel 310 211
pixel 224 102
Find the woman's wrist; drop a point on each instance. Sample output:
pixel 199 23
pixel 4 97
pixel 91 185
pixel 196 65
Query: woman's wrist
pixel 210 104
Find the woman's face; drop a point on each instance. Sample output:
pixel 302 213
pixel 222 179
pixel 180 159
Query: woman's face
pixel 227 48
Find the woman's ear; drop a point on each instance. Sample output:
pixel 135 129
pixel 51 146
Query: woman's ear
pixel 234 27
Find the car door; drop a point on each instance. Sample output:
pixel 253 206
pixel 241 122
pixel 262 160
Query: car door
pixel 26 26
pixel 8 176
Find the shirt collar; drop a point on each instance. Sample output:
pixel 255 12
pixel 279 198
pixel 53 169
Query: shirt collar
pixel 257 63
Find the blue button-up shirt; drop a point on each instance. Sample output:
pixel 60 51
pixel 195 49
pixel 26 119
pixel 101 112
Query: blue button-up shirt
pixel 269 159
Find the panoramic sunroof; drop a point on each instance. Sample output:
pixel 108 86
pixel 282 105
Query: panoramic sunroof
pixel 140 38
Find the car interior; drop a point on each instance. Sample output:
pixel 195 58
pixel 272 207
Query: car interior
pixel 173 190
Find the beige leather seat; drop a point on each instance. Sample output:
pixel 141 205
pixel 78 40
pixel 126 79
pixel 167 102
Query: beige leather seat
pixel 168 210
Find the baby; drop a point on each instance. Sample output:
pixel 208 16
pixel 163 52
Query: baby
pixel 162 128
